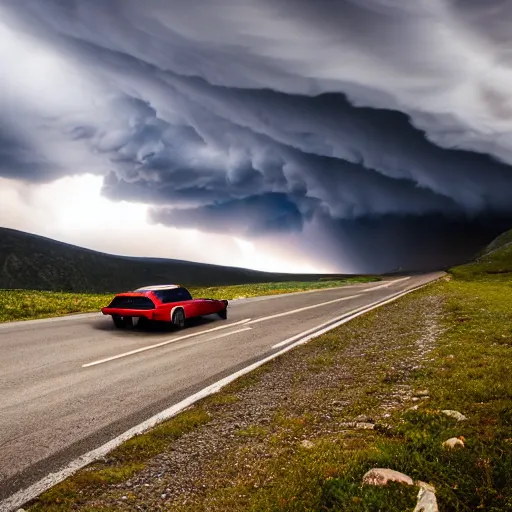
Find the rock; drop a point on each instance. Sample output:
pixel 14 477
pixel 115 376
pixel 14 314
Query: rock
pixel 427 501
pixel 453 442
pixel 384 428
pixel 424 485
pixel 20 510
pixel 364 426
pixel 307 444
pixel 381 476
pixel 361 426
pixel 456 415
pixel 413 408
pixel 364 419
pixel 422 392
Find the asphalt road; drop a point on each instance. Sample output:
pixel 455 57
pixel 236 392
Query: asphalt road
pixel 68 385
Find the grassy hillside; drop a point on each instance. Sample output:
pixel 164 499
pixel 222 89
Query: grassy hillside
pixel 494 260
pixel 32 262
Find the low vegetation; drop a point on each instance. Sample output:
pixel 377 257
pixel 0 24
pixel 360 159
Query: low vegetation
pixel 29 304
pixel 299 434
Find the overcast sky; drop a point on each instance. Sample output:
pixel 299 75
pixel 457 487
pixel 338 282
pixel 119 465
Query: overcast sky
pixel 344 135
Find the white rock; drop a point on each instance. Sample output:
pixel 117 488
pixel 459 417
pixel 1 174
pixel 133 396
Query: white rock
pixel 365 426
pixel 427 501
pixel 381 476
pixel 453 442
pixel 422 392
pixel 424 485
pixel 456 415
pixel 363 419
pixel 307 444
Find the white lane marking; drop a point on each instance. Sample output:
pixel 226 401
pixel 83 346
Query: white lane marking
pixel 167 342
pixel 247 300
pixel 385 285
pixel 293 311
pixel 335 322
pixel 25 495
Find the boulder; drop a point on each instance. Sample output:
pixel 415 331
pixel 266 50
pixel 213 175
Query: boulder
pixel 453 443
pixel 456 415
pixel 427 501
pixel 381 476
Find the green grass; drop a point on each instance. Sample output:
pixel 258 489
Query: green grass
pixel 28 304
pixel 24 305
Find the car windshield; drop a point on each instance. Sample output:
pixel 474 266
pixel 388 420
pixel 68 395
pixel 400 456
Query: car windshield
pixel 173 295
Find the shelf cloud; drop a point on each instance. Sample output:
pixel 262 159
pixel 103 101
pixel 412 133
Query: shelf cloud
pixel 269 118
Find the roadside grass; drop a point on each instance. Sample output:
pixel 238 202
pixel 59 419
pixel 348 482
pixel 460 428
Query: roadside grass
pixel 28 304
pixel 375 366
pixel 244 291
pixel 31 304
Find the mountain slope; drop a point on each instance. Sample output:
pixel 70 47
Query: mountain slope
pixel 29 261
pixel 495 259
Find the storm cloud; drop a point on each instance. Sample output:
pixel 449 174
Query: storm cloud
pixel 262 118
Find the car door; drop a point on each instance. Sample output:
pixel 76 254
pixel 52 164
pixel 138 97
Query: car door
pixel 192 307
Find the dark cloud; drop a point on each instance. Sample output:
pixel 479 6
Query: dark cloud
pixel 267 117
pixel 252 216
pixel 19 159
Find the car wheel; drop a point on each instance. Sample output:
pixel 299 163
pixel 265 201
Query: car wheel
pixel 223 313
pixel 178 319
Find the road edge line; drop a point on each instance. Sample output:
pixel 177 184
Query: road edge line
pixel 25 495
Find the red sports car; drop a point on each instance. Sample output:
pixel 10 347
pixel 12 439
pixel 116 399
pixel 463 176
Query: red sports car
pixel 167 303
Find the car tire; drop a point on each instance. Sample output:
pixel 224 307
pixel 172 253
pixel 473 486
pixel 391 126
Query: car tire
pixel 223 313
pixel 178 319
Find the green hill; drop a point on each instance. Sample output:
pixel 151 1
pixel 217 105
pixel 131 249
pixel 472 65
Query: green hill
pixel 494 260
pixel 32 262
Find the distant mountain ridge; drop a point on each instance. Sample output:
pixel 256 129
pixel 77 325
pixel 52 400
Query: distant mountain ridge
pixel 29 261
